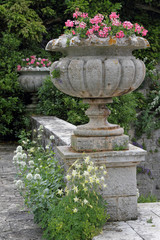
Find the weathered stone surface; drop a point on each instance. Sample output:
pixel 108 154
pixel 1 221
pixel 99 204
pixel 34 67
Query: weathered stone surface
pixel 81 144
pixel 121 188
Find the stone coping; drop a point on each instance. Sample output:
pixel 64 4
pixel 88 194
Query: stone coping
pixel 61 129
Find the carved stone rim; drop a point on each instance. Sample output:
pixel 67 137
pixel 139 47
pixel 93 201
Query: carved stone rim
pixel 34 69
pixel 67 41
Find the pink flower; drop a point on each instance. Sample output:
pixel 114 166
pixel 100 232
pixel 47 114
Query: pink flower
pixel 113 15
pixel 33 57
pixel 84 15
pixel 120 34
pixel 43 59
pixel 48 64
pixel 73 32
pixel 69 23
pixel 32 61
pixel 19 67
pixel 137 28
pixel 82 25
pixel 37 63
pixel 144 32
pixel 97 19
pixel 89 32
pixel 115 22
pixel 43 65
pixel 127 25
pixel 76 14
pixel 27 59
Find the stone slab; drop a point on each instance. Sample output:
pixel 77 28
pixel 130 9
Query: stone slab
pixel 86 144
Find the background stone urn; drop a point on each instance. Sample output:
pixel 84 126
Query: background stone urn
pixel 97 69
pixel 31 80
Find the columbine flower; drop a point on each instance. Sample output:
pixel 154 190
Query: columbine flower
pixel 87 159
pixel 102 178
pixel 68 177
pixel 74 173
pixel 75 189
pixel 75 210
pixel 37 176
pixel 60 192
pixel 29 176
pixel 76 199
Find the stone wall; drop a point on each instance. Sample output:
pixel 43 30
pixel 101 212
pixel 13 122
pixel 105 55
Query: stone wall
pixel 149 179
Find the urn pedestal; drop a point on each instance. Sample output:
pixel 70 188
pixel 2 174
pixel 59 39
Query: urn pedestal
pixel 31 80
pixel 96 70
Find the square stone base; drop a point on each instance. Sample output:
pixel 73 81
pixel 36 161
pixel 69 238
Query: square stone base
pixel 88 144
pixel 121 191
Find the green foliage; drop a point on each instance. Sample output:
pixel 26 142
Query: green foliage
pixel 149 112
pixel 147 199
pixel 92 7
pixel 54 102
pixel 77 211
pixel 123 110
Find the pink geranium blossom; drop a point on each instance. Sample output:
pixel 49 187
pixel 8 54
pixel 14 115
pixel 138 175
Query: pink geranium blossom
pixel 113 15
pixel 69 23
pixel 19 67
pixel 120 34
pixel 32 61
pixel 127 25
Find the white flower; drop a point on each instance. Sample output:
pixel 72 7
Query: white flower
pixel 60 192
pixel 24 156
pixel 85 201
pixel 29 176
pixel 52 137
pixel 23 164
pixel 19 184
pixel 101 167
pixel 15 158
pixel 75 199
pixel 75 189
pixel 37 170
pixel 89 168
pixel 105 172
pixel 102 178
pixel 40 128
pixel 19 149
pixel 91 179
pixel 97 180
pixel 104 185
pixel 86 173
pixel 37 176
pixel 34 142
pixel 47 146
pixel 75 210
pixel 87 159
pixel 78 166
pixel 68 177
pixel 32 149
pixel 31 163
pixel 39 159
pixel 24 142
pixel 19 155
pixel 74 173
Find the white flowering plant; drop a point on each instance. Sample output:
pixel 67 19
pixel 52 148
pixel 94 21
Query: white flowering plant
pixel 82 211
pixel 39 175
pixel 67 205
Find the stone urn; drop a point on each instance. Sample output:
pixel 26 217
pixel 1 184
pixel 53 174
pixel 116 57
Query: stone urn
pixel 31 80
pixel 97 69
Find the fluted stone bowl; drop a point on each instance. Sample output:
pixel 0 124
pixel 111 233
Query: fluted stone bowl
pixel 97 67
pixel 31 79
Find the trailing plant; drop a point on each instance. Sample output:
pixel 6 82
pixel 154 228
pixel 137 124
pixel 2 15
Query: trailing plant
pixel 32 62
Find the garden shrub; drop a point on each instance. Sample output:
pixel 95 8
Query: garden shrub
pixel 68 205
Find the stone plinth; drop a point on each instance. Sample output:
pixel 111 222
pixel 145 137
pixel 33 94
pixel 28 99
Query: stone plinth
pixel 121 191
